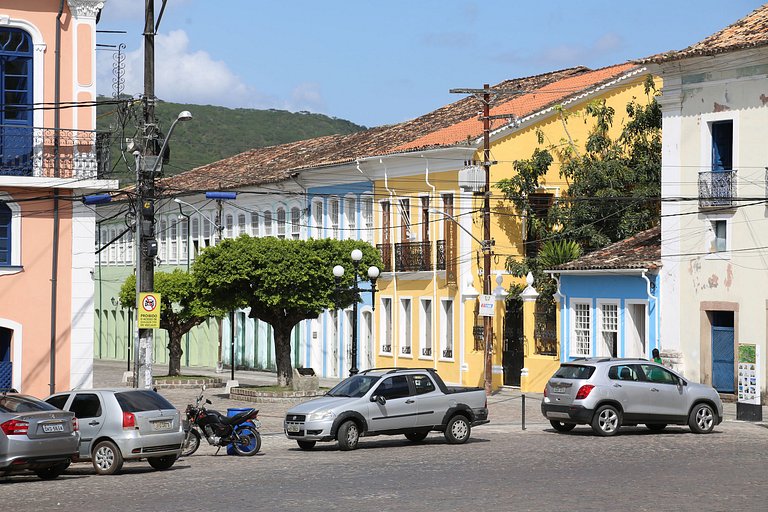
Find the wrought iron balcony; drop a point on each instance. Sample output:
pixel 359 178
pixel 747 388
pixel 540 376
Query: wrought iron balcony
pixel 716 188
pixel 426 351
pixel 413 256
pixel 405 350
pixel 386 348
pixel 28 151
pixel 386 256
pixel 448 353
pixel 440 246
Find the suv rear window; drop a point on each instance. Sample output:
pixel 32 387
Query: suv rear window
pixel 574 371
pixel 142 400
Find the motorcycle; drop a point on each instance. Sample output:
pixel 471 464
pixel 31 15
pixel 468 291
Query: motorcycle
pixel 239 433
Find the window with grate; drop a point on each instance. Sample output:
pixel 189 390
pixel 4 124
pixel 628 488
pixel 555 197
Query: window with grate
pixel 317 214
pixel 255 224
pixel 368 219
pixel 15 100
pixel 281 223
pixel 267 223
pixel 295 223
pixel 229 226
pixel 582 329
pixel 333 211
pixel 173 241
pixel 350 212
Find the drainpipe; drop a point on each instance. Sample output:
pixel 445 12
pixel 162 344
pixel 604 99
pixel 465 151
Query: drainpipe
pixel 56 172
pixel 395 304
pixel 562 299
pixel 434 275
pixel 655 303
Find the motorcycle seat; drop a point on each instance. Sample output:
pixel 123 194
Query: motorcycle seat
pixel 237 418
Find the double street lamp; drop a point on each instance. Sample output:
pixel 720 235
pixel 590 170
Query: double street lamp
pixel 373 275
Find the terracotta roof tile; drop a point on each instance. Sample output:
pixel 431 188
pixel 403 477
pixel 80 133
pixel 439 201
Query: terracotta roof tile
pixel 749 32
pixel 641 251
pixel 448 125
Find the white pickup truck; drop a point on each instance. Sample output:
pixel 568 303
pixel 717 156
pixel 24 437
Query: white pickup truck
pixel 388 401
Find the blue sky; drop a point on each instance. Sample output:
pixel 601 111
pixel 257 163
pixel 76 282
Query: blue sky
pixel 386 61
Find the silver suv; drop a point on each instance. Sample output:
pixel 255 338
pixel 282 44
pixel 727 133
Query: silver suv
pixel 608 393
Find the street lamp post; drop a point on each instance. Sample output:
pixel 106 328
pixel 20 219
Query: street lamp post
pixel 184 216
pixel 373 275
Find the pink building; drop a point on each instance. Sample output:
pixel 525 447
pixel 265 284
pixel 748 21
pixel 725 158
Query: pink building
pixel 49 159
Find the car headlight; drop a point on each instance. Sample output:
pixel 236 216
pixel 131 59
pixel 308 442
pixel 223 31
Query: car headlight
pixel 321 416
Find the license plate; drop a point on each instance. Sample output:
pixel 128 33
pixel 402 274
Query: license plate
pixel 558 390
pixel 53 428
pixel 162 425
pixel 558 415
pixel 292 427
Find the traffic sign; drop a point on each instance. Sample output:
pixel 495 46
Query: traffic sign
pixel 149 310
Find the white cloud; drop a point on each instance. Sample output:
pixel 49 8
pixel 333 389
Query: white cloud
pixel 183 75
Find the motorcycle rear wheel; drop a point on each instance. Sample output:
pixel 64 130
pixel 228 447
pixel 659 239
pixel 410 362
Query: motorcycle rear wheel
pixel 248 441
pixel 191 443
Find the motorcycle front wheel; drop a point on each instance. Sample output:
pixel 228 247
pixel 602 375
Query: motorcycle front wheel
pixel 191 443
pixel 247 440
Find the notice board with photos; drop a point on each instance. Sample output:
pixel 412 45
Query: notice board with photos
pixel 749 373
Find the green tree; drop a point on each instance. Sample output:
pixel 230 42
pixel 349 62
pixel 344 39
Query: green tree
pixel 282 281
pixel 180 309
pixel 614 185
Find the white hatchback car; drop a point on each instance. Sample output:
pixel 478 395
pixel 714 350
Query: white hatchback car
pixel 123 424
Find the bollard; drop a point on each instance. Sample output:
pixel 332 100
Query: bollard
pixel 523 415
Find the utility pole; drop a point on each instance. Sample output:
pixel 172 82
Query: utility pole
pixel 484 95
pixel 147 245
pixel 487 320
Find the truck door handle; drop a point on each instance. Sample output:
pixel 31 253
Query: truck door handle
pixel 93 423
pixel 409 401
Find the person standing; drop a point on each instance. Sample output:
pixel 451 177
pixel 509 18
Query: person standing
pixel 656 357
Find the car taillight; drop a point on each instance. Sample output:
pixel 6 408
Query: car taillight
pixel 584 391
pixel 129 420
pixel 75 426
pixel 545 391
pixel 15 427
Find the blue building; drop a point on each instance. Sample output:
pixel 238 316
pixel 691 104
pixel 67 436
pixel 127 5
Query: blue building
pixel 609 300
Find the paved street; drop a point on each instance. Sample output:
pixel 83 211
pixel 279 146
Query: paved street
pixel 501 468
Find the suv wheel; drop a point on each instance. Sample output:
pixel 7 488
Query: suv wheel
pixel 606 421
pixel 702 419
pixel 458 429
pixel 107 459
pixel 562 427
pixel 348 435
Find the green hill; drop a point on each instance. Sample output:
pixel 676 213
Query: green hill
pixel 213 133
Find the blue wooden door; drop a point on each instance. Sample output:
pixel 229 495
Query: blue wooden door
pixel 6 366
pixel 722 359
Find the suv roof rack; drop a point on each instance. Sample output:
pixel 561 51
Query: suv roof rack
pixel 392 369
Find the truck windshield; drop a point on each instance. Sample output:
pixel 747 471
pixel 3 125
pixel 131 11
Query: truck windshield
pixel 355 386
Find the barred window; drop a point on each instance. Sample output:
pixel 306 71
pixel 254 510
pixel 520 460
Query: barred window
pixel 280 223
pixel 610 329
pixel 368 219
pixel 295 223
pixel 334 213
pixel 267 223
pixel 255 224
pixel 241 224
pixel 318 216
pixel 350 212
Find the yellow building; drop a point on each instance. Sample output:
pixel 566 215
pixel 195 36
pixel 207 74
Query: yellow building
pixel 430 227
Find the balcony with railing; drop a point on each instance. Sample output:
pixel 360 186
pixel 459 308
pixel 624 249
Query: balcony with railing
pixel 717 188
pixel 413 256
pixel 28 151
pixel 440 246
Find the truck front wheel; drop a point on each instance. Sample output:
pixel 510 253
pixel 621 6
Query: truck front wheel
pixel 458 429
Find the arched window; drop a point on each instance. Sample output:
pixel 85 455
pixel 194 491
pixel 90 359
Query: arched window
pixel 240 224
pixel 268 223
pixel 5 235
pixel 229 225
pixel 15 100
pixel 281 223
pixel 295 223
pixel 255 224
